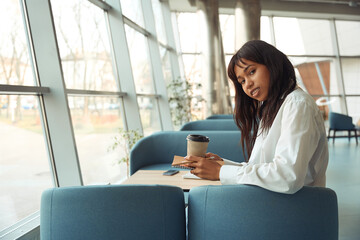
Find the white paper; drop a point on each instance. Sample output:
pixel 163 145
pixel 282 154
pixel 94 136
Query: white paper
pixel 190 176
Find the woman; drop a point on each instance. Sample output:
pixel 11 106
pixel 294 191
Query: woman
pixel 281 127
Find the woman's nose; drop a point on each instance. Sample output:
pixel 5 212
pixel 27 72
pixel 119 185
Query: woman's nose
pixel 249 84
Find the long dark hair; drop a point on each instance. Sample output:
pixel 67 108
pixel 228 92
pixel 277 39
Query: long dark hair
pixel 249 113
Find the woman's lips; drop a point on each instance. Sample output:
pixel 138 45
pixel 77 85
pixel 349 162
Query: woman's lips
pixel 255 92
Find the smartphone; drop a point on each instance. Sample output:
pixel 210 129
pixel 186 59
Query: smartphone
pixel 170 172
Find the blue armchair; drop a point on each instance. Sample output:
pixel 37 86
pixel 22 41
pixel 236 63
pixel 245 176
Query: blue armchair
pixel 215 125
pixel 220 116
pixel 251 212
pixel 341 122
pixel 113 212
pixel 156 152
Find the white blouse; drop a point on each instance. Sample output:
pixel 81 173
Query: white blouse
pixel 293 153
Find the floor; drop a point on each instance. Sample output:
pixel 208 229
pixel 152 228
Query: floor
pixel 343 176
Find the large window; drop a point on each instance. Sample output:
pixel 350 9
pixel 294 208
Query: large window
pixel 132 9
pixel 25 171
pixel 323 77
pixel 188 25
pixel 86 60
pixel 324 53
pixel 24 166
pixel 87 73
pixel 15 67
pixel 227 26
pixel 146 62
pixel 351 75
pixel 296 36
pixel 347 33
pixel 140 61
pixel 317 76
pixel 159 21
pixel 96 120
pixel 84 45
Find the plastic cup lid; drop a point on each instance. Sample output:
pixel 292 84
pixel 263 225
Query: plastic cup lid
pixel 197 138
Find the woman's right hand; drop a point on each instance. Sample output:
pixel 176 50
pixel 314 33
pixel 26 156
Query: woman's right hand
pixel 213 156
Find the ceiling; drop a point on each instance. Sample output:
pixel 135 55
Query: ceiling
pixel 338 9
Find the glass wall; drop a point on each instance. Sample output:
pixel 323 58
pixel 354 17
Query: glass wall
pixel 295 36
pixel 84 45
pixel 15 66
pixel 84 48
pixel 87 79
pixel 95 121
pixel 323 52
pixel 24 166
pixel 347 33
pixel 133 11
pixel 227 26
pixel 140 62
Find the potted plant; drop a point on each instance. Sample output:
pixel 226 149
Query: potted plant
pixel 125 139
pixel 182 100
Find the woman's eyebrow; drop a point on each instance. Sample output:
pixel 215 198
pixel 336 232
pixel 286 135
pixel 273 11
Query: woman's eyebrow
pixel 247 67
pixel 245 70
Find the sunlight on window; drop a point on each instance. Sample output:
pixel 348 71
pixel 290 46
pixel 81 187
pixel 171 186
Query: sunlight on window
pixel 288 36
pixel 84 45
pixel 95 121
pixel 15 67
pixel 24 166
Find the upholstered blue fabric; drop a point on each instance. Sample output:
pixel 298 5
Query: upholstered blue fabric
pixel 250 212
pixel 341 122
pixel 215 124
pixel 156 151
pixel 221 116
pixel 113 212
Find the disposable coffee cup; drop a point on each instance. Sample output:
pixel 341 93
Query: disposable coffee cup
pixel 197 145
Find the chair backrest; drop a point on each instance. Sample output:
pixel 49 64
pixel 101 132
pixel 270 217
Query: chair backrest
pixel 160 147
pixel 338 121
pixel 113 212
pixel 250 212
pixel 215 124
pixel 221 116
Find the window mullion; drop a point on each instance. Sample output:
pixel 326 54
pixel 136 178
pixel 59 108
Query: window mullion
pixel 155 59
pixel 123 66
pixel 60 130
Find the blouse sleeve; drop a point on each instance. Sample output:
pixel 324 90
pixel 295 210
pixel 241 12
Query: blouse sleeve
pixel 229 162
pixel 285 171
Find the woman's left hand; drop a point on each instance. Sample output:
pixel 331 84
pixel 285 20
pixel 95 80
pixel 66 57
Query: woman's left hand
pixel 204 167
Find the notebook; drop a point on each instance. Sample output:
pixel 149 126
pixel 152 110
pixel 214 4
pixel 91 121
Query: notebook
pixel 179 162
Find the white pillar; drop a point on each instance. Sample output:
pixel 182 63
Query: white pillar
pixel 247 21
pixel 215 84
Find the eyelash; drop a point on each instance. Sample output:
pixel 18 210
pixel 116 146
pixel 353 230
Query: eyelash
pixel 250 73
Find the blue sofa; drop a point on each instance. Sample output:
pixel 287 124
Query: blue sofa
pixel 156 152
pixel 113 212
pixel 215 125
pixel 220 116
pixel 250 212
pixel 214 212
